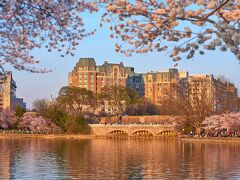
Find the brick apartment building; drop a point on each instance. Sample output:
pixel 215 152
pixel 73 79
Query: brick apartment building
pixel 87 74
pixel 155 86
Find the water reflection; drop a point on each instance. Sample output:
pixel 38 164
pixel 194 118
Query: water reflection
pixel 117 159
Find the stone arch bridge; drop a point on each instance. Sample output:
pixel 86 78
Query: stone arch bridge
pixel 133 130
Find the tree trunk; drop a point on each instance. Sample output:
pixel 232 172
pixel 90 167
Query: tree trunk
pixel 120 119
pixel 198 131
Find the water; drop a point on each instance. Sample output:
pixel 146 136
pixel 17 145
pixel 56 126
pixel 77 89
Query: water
pixel 27 158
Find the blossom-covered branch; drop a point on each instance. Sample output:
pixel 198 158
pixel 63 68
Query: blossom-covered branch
pixel 180 27
pixel 26 25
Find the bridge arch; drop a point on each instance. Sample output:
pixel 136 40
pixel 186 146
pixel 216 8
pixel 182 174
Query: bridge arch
pixel 167 133
pixel 117 133
pixel 142 133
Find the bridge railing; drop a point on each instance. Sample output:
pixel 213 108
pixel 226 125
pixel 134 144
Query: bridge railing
pixel 112 125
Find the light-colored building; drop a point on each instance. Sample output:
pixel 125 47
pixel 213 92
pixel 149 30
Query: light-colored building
pixel 222 92
pixel 8 99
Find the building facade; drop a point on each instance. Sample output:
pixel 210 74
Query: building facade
pixel 154 86
pixel 161 85
pixel 136 81
pixel 87 74
pixel 223 93
pixel 84 75
pixel 8 99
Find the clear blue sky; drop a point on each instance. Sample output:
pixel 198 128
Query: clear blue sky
pixel 101 47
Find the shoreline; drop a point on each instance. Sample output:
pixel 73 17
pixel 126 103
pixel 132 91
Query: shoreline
pixel 78 136
pixel 211 139
pixel 47 136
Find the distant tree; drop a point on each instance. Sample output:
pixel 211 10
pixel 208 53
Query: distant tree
pixel 41 106
pixel 77 125
pixel 178 28
pixel 229 121
pixel 19 111
pixel 238 103
pixel 8 120
pixel 142 107
pixel 26 25
pixel 51 110
pixel 193 106
pixel 57 116
pixel 37 124
pixel 76 101
pixel 118 98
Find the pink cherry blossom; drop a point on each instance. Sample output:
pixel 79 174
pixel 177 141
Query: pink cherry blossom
pixel 37 124
pixel 174 25
pixel 26 25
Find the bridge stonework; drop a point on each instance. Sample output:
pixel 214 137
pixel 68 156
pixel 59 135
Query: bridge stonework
pixel 133 130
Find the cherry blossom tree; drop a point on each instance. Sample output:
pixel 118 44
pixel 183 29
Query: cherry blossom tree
pixel 181 28
pixel 229 121
pixel 7 120
pixel 29 24
pixel 37 124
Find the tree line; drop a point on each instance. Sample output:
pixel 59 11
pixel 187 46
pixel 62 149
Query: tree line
pixel 74 108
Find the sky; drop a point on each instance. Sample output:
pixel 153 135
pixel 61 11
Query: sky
pixel 31 86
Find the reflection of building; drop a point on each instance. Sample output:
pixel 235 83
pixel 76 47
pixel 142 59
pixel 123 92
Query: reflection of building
pixel 8 99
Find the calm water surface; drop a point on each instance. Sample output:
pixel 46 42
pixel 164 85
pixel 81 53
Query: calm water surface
pixel 117 159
